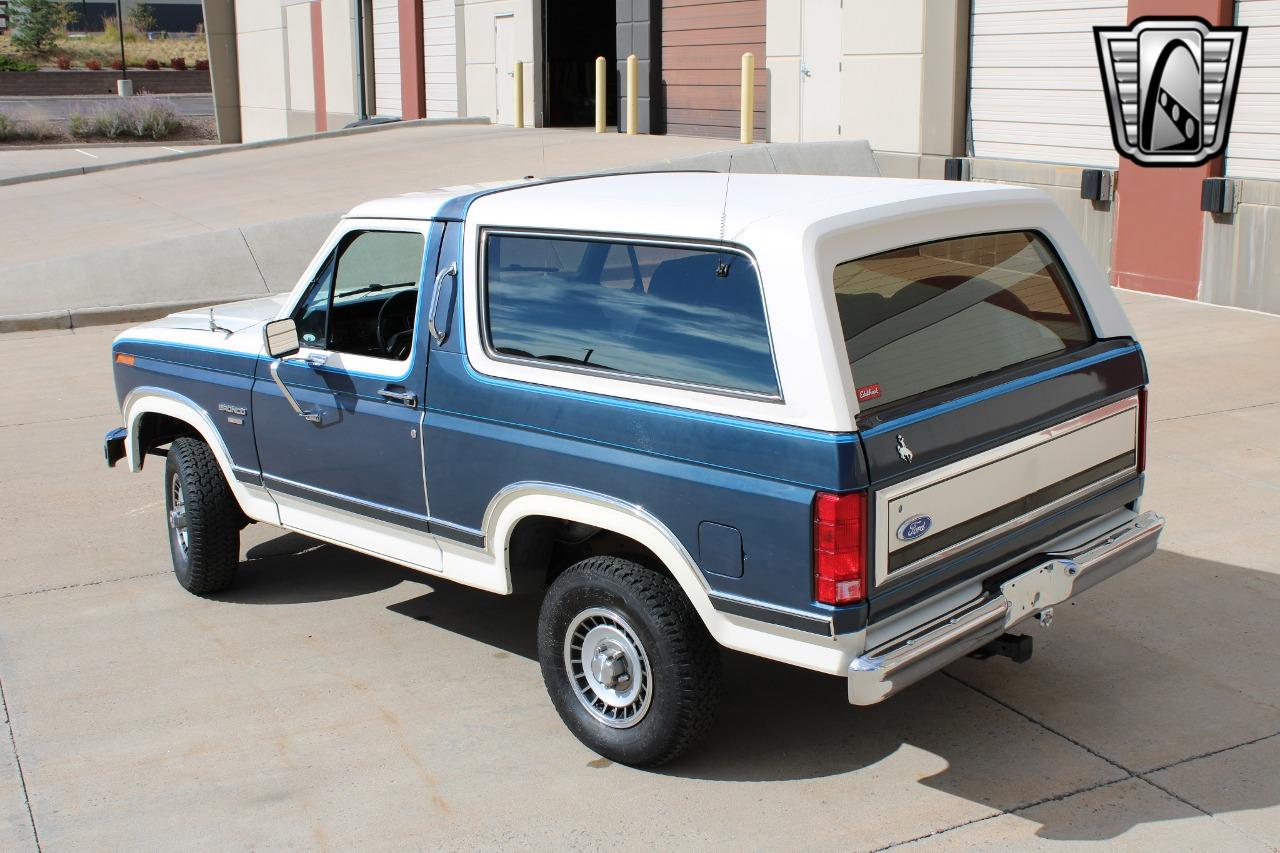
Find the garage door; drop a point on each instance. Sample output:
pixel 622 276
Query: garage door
pixel 386 58
pixel 1036 92
pixel 1254 147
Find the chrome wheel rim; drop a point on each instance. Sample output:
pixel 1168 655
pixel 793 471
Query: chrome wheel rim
pixel 178 513
pixel 608 668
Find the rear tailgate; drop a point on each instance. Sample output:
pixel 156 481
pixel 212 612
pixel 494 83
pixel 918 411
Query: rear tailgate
pixel 993 419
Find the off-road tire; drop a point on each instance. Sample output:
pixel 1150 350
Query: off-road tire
pixel 213 519
pixel 683 659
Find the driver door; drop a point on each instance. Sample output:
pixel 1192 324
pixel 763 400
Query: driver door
pixel 349 468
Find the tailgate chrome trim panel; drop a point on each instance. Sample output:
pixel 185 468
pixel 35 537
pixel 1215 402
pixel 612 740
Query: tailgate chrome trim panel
pixel 886 497
pixel 906 659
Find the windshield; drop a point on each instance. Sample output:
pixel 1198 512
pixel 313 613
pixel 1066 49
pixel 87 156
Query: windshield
pixel 923 317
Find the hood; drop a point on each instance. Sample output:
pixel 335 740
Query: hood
pixel 234 317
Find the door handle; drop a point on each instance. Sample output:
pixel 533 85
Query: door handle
pixel 438 333
pixel 405 398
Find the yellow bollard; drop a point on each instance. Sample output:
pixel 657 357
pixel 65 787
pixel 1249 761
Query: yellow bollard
pixel 518 88
pixel 747 117
pixel 601 95
pixel 633 87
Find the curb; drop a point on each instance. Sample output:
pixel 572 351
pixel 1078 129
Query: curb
pixel 79 318
pixel 242 146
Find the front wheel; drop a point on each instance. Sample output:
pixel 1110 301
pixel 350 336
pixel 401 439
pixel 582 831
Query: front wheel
pixel 627 662
pixel 204 518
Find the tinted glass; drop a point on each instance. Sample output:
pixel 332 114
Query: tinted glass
pixel 931 315
pixel 653 311
pixel 364 299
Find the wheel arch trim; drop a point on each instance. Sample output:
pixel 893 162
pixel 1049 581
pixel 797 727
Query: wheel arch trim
pixel 146 400
pixel 778 642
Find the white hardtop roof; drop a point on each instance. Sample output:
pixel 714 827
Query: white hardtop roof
pixel 689 204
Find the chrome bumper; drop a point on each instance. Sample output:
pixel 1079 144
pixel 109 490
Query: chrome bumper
pixel 905 660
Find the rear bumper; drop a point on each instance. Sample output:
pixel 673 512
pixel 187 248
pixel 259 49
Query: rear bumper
pixel 113 446
pixel 904 660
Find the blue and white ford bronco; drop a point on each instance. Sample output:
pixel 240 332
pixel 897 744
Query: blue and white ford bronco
pixel 862 426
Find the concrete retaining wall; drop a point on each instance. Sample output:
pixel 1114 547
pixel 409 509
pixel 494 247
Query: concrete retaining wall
pixel 17 84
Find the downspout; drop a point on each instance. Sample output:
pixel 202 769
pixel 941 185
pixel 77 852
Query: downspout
pixel 362 106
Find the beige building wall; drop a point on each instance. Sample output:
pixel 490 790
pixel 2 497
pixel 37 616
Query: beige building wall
pixel 260 50
pixel 900 73
pixel 441 66
pixel 481 70
pixel 339 62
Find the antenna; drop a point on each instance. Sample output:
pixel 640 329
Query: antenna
pixel 722 268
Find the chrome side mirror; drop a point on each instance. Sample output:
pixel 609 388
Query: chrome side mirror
pixel 281 337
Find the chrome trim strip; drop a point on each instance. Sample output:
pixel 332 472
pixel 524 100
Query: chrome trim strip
pixel 884 497
pixel 787 617
pixel 906 659
pixel 482 307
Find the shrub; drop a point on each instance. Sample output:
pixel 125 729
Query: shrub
pixel 93 65
pixel 151 65
pixel 63 61
pixel 38 24
pixel 111 123
pixel 14 127
pixel 153 118
pixel 202 65
pixel 178 63
pixel 143 17
pixel 111 30
pixel 115 65
pixel 8 127
pixel 79 124
pixel 13 63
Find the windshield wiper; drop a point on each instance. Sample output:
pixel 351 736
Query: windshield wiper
pixel 374 288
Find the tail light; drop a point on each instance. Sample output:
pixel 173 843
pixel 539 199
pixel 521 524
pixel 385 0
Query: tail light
pixel 1142 429
pixel 840 547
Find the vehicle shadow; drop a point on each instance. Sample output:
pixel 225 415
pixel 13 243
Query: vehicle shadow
pixel 1114 660
pixel 296 569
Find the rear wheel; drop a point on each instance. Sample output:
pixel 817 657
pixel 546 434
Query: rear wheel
pixel 627 662
pixel 204 518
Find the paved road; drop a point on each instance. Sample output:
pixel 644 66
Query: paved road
pixel 58 108
pixel 333 702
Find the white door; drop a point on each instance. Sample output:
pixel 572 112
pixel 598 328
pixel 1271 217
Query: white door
pixel 504 57
pixel 1254 145
pixel 819 70
pixel 1035 88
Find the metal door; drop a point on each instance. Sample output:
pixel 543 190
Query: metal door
pixel 504 58
pixel 820 70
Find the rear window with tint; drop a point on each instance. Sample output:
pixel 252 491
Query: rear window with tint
pixel 653 311
pixel 927 316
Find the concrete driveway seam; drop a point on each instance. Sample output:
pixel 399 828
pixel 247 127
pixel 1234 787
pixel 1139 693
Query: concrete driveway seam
pixel 17 760
pixel 86 583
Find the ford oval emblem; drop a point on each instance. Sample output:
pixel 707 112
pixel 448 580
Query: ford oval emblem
pixel 914 527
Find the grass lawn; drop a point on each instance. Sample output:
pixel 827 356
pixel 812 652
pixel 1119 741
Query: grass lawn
pixel 106 47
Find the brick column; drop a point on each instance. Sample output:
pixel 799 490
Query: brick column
pixel 413 87
pixel 317 66
pixel 1159 225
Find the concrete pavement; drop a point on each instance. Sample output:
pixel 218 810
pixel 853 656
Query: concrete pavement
pixel 20 161
pixel 225 226
pixel 331 701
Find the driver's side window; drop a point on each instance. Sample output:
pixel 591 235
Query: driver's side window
pixel 364 299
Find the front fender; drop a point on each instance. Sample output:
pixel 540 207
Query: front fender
pixel 254 500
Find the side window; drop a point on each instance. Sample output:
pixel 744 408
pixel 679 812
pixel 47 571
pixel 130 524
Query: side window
pixel 364 300
pixel 660 312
